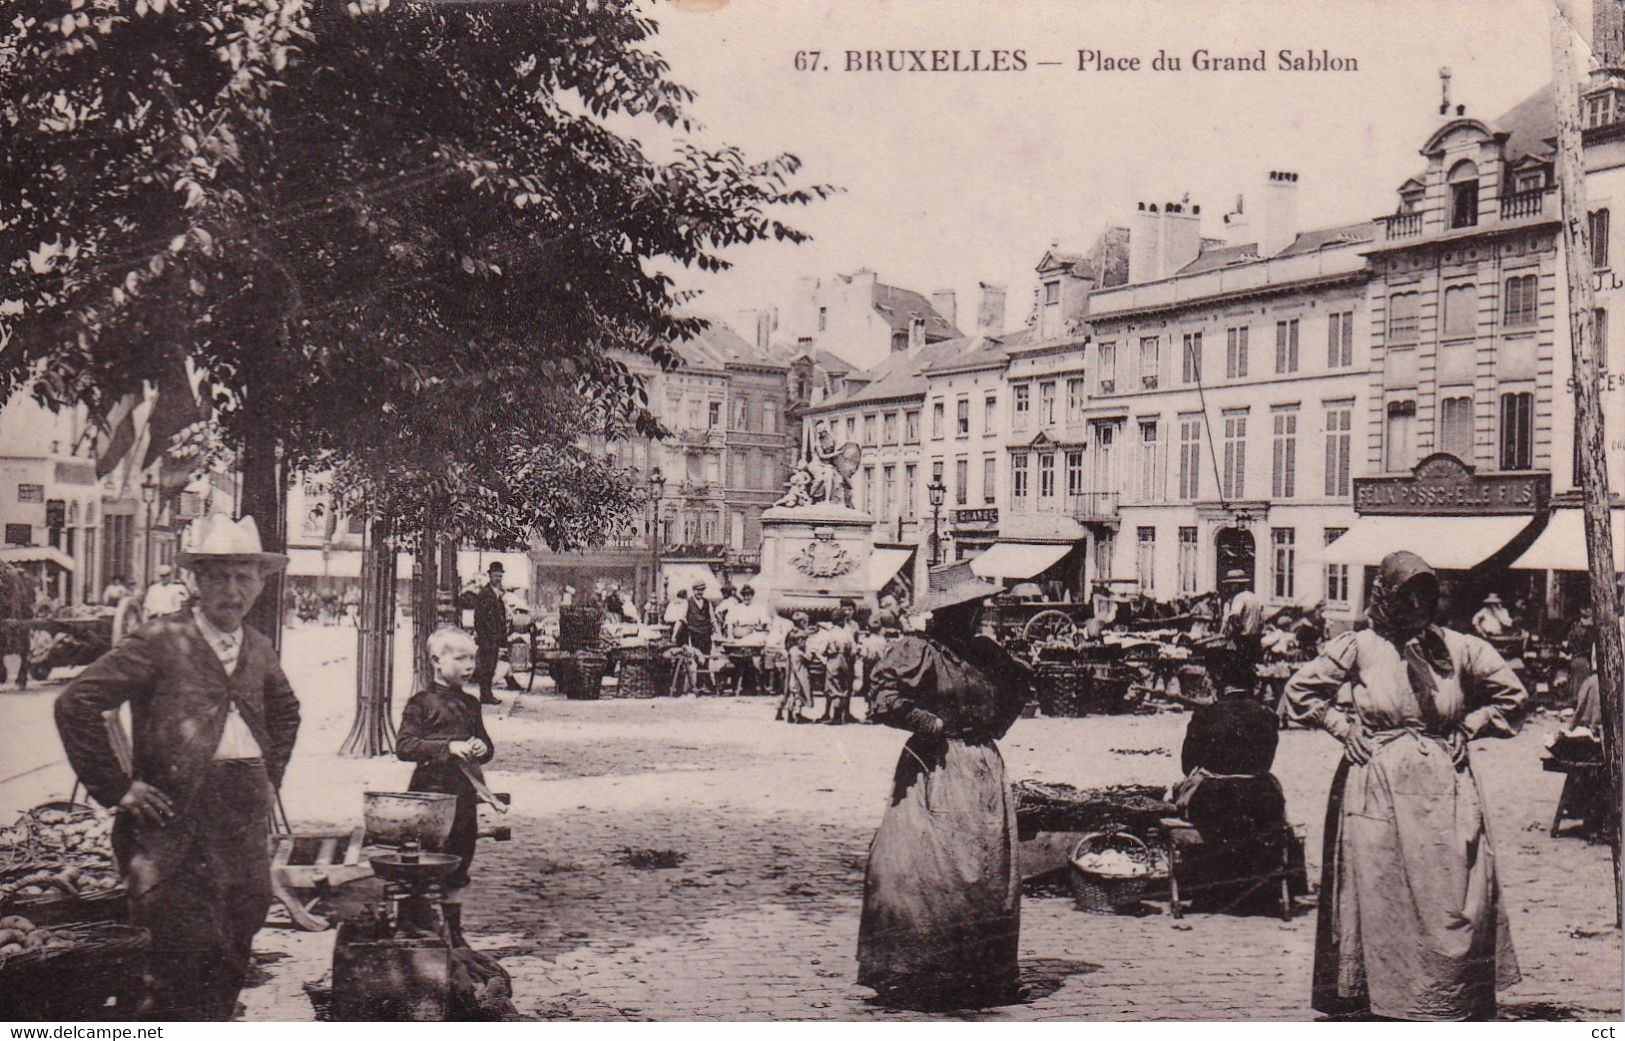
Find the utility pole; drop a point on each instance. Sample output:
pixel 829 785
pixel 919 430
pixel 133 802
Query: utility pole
pixel 1593 470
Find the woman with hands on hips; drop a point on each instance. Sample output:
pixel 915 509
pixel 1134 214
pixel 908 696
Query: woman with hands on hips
pixel 1411 924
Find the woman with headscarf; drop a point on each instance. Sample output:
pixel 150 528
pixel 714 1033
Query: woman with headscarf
pixel 942 895
pixel 1411 924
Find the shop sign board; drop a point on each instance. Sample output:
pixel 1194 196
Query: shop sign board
pixel 1442 485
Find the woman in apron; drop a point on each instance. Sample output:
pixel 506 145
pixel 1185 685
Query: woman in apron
pixel 1411 924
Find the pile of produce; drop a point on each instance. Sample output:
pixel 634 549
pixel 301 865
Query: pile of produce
pixel 62 850
pixel 1046 806
pixel 20 936
pixel 1115 863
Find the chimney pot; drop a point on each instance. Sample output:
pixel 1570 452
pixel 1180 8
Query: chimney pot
pixel 1142 205
pixel 1461 110
pixel 1195 210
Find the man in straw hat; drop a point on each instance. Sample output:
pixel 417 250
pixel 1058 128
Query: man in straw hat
pixel 1493 620
pixel 214 722
pixel 1244 618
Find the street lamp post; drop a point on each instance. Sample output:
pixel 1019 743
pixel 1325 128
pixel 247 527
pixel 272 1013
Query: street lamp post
pixel 657 486
pixel 149 495
pixel 938 493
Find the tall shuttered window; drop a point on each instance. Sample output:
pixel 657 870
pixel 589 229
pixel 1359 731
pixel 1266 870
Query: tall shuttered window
pixel 1284 453
pixel 1517 430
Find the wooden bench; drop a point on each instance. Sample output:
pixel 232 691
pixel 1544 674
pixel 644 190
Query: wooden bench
pixel 1183 841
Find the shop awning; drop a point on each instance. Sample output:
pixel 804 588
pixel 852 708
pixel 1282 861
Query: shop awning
pixel 36 555
pixel 683 576
pixel 1447 543
pixel 884 565
pixel 1562 546
pixel 471 563
pixel 1017 559
pixel 339 563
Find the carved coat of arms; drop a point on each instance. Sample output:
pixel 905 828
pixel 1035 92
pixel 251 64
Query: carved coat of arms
pixel 823 557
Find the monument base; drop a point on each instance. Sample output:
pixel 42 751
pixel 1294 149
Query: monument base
pixel 815 556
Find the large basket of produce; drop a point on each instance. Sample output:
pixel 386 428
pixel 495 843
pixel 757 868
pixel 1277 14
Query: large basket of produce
pixel 580 627
pixel 1062 688
pixel 56 865
pixel 584 676
pixel 645 673
pixel 1110 871
pixel 68 972
pixel 1052 806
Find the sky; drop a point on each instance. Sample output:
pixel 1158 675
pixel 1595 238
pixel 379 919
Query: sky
pixel 951 178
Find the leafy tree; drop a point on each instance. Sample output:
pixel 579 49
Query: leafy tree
pixel 396 241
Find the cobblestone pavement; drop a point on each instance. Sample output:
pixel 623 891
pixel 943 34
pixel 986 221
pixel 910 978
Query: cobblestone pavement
pixel 759 920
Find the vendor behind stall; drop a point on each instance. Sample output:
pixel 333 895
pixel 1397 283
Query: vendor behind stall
pixel 1493 619
pixel 1229 793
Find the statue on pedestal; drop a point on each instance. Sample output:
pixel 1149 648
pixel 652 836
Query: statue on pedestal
pixel 831 466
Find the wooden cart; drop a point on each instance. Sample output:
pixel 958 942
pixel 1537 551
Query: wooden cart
pixel 306 866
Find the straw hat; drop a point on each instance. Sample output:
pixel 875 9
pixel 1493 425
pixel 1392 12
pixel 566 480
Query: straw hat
pixel 1493 598
pixel 221 538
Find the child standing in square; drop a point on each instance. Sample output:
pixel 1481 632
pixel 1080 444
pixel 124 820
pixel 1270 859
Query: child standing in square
pixel 443 731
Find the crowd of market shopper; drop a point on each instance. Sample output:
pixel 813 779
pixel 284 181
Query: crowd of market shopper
pixel 1411 923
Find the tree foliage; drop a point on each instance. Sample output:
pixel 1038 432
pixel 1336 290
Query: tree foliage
pixel 401 236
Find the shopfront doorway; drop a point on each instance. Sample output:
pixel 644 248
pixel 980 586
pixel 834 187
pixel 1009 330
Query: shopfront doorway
pixel 1234 549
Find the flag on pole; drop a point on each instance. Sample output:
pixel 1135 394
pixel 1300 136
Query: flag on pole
pixel 119 425
pixel 174 409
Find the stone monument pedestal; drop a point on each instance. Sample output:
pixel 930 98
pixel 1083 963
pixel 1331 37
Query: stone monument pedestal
pixel 815 556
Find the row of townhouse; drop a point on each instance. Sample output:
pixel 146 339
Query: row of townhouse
pixel 1291 403
pixel 727 410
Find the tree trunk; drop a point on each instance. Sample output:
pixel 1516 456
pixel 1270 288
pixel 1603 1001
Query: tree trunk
pixel 425 606
pixel 373 731
pixel 1588 414
pixel 264 497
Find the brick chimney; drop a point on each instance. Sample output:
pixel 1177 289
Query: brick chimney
pixel 989 309
pixel 759 325
pixel 1181 238
pixel 1608 32
pixel 1144 243
pixel 942 302
pixel 1278 218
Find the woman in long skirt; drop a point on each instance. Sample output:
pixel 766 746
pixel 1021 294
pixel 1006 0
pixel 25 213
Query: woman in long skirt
pixel 1411 924
pixel 941 898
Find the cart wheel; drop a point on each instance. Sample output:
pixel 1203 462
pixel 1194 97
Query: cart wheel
pixel 1049 625
pixel 126 617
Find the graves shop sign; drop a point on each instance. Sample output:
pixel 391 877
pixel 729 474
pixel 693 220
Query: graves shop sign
pixel 1442 485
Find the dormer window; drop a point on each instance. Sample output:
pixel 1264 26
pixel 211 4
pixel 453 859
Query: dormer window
pixel 1464 195
pixel 1529 181
pixel 1601 109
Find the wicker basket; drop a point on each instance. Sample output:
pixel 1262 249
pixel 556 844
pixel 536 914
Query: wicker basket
pixel 1062 689
pixel 580 627
pixel 1100 893
pixel 645 673
pixel 76 982
pixel 584 676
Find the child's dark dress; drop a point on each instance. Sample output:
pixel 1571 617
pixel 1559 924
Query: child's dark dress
pixel 433 719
